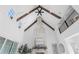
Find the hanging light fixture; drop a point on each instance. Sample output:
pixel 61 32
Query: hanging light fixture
pixel 11 13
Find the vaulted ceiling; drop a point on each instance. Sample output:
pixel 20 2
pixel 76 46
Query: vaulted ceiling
pixel 20 10
pixel 59 10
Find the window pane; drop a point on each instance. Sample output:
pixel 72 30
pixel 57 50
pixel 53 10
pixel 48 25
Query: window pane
pixel 63 27
pixel 69 22
pixel 1 41
pixel 14 48
pixel 75 14
pixel 76 18
pixel 71 19
pixel 7 47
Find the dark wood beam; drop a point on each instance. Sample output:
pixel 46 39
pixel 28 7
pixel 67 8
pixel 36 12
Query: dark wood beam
pixel 48 25
pixel 53 14
pixel 27 13
pixel 35 22
pixel 30 25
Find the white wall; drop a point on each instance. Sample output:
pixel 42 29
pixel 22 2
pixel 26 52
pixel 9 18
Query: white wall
pixel 8 27
pixel 29 37
pixel 50 37
pixel 73 42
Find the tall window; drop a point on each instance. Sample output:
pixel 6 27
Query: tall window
pixel 70 20
pixel 14 48
pixel 1 41
pixel 74 16
pixel 9 47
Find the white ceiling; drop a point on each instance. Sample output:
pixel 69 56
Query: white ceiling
pixel 57 9
pixel 22 9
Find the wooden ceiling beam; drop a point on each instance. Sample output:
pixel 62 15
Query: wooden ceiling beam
pixel 53 14
pixel 48 25
pixel 35 22
pixel 27 13
pixel 30 25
